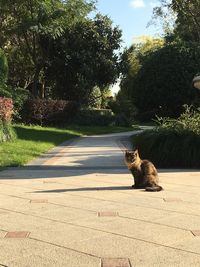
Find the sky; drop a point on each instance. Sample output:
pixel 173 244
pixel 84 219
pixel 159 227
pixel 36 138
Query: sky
pixel 132 17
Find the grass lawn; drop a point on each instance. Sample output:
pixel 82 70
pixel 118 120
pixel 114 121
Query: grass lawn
pixel 35 140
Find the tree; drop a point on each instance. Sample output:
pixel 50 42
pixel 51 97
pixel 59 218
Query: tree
pixel 186 17
pixel 3 75
pixel 23 23
pixel 163 84
pixel 82 58
pixel 132 61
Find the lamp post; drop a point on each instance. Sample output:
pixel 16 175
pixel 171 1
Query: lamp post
pixel 196 82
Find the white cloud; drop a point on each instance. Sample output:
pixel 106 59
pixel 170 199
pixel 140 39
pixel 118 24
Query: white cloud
pixel 137 3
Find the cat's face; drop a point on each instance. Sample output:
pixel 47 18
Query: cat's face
pixel 131 156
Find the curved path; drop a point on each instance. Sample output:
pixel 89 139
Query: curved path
pixel 74 207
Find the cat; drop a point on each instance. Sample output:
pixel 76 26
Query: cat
pixel 144 172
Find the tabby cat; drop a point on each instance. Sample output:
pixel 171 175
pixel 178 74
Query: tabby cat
pixel 144 172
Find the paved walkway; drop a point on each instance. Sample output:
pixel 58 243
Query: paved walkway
pixel 74 207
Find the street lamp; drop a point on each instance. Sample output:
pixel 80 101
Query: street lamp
pixel 196 82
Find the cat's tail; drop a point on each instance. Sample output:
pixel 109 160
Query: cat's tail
pixel 155 188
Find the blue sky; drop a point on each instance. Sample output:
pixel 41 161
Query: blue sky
pixel 132 16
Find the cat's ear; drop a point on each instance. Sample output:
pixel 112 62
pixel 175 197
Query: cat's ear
pixel 136 150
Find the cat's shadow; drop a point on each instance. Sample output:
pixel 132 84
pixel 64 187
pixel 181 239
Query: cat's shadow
pixel 80 189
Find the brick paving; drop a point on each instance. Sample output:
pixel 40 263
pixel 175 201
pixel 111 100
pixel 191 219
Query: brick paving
pixel 74 207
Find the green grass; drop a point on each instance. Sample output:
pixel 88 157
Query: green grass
pixel 32 141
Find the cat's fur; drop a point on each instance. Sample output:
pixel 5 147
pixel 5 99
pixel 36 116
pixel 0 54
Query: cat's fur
pixel 144 172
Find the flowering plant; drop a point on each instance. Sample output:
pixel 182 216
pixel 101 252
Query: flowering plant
pixel 6 109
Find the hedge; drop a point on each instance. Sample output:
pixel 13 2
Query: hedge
pixel 48 111
pixel 167 148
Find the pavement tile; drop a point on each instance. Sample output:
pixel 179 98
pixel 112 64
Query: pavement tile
pixel 114 246
pixel 115 262
pixel 39 201
pixel 166 257
pixel 107 214
pixel 146 231
pixel 28 252
pixel 88 178
pixel 192 245
pixel 172 199
pixel 17 234
pixel 184 221
pixel 196 232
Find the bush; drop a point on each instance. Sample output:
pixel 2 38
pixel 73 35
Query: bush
pixel 7 133
pixel 6 110
pixel 97 117
pixel 124 110
pixel 19 97
pixel 189 120
pixel 169 149
pixel 174 143
pixel 49 112
pixel 122 121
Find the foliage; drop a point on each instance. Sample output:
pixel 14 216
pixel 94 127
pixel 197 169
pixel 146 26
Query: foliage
pixel 82 58
pixel 163 84
pixel 56 51
pixel 169 149
pixel 19 96
pixel 6 109
pixel 185 17
pixel 7 133
pixel 123 109
pixel 97 117
pixel 23 23
pixel 3 68
pixel 132 58
pixel 49 112
pixel 174 142
pixel 99 98
pixel 132 61
pixel 95 98
pixel 3 75
pixel 189 120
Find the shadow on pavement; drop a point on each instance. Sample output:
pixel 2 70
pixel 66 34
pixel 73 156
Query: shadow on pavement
pixel 59 171
pixel 107 188
pixel 49 171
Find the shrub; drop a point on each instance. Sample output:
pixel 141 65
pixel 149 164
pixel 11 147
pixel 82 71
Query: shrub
pixel 124 110
pixel 7 133
pixel 19 97
pixel 49 112
pixel 169 149
pixel 189 120
pixel 6 110
pixel 122 121
pixel 97 117
pixel 174 143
